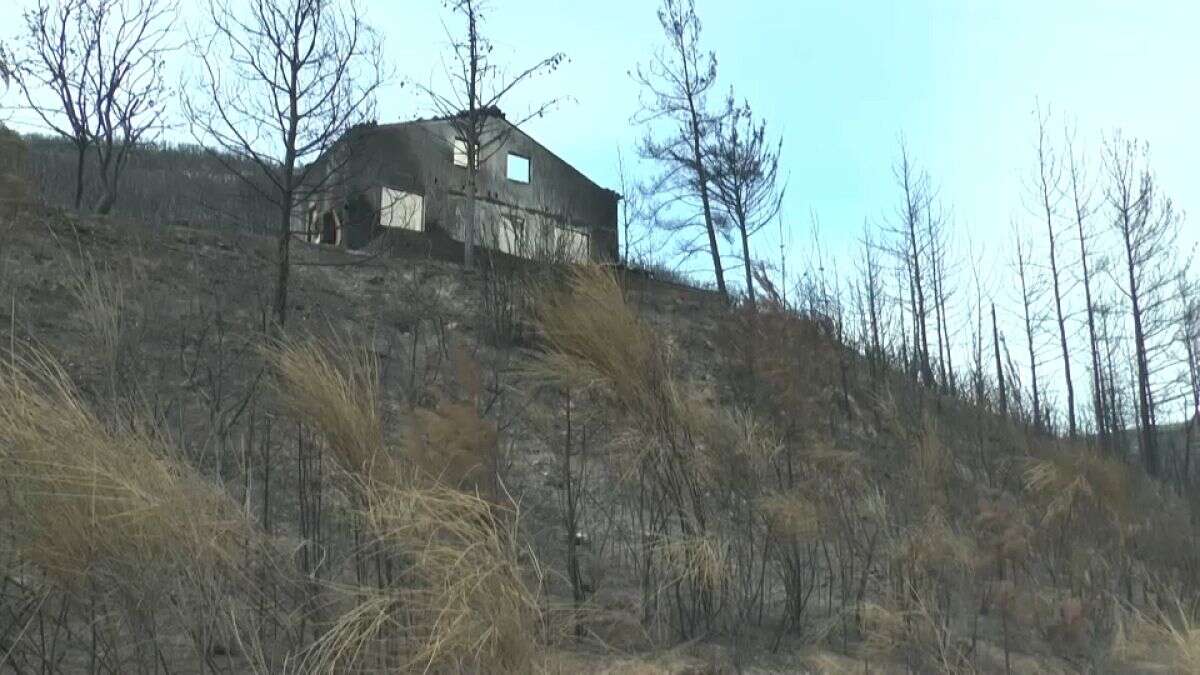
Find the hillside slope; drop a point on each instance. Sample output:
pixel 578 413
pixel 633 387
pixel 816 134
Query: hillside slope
pixel 683 487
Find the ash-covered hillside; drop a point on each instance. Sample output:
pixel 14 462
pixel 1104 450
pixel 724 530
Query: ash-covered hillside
pixel 525 469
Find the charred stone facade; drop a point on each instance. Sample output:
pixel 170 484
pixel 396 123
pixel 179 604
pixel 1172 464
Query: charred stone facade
pixel 412 176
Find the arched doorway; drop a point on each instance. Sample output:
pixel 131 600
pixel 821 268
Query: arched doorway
pixel 328 228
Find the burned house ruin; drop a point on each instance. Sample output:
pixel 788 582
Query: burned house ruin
pixel 409 181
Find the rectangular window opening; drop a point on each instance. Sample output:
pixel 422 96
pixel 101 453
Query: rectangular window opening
pixel 401 209
pixel 460 152
pixel 518 168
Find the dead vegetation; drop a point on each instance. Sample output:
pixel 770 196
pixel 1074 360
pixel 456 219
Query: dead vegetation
pixel 653 486
pixel 89 505
pixel 14 187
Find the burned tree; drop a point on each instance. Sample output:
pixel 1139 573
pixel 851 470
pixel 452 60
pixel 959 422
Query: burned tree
pixel 1081 210
pixel 978 368
pixel 57 62
pixel 743 167
pixel 6 65
pixel 1189 336
pixel 1032 315
pixel 872 292
pixel 1000 379
pixel 633 211
pixel 938 247
pixel 101 62
pixel 282 81
pixel 1146 224
pixel 476 89
pixel 1047 192
pixel 676 83
pixel 128 91
pixel 910 250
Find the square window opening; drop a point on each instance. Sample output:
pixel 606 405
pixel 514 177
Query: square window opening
pixel 518 168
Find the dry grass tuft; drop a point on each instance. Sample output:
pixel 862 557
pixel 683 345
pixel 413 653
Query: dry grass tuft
pixel 457 600
pixel 1003 532
pixel 452 445
pixel 934 546
pixel 930 468
pixel 697 560
pixel 102 300
pixel 1158 644
pixel 336 391
pixel 87 503
pixel 884 630
pixel 918 633
pixel 460 604
pixel 594 339
pixel 113 319
pixel 791 516
pixel 1077 483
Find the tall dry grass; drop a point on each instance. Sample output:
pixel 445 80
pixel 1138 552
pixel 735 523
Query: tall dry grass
pixel 1078 483
pixel 457 598
pixel 103 302
pixel 86 503
pixel 460 602
pixel 334 389
pixel 452 445
pixel 596 346
pixel 1163 641
pixel 593 341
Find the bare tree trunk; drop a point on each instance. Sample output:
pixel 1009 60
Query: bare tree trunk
pixel 283 266
pixel 746 264
pixel 473 136
pixel 999 366
pixel 1146 427
pixel 919 312
pixel 937 275
pixel 702 177
pixel 1026 303
pixel 1116 417
pixel 471 224
pixel 80 157
pixel 287 188
pixel 1049 179
pixel 1147 225
pixel 915 199
pixel 110 173
pixel 1081 213
pixel 1062 336
pixel 915 366
pixel 904 357
pixel 871 274
pixel 1191 335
